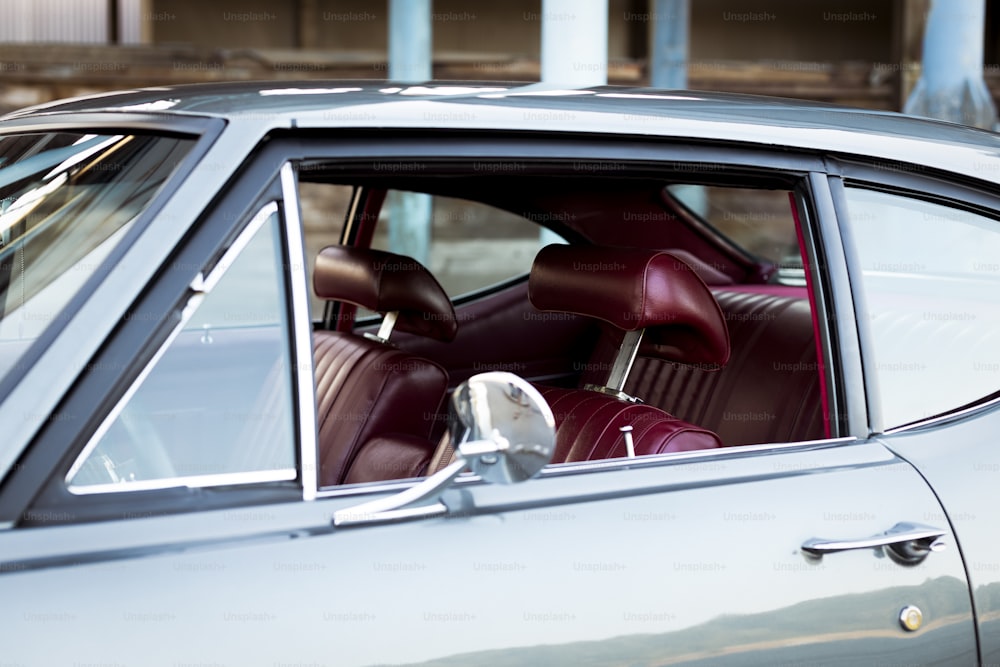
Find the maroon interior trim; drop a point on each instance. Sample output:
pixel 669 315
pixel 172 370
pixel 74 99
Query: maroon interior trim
pixel 820 366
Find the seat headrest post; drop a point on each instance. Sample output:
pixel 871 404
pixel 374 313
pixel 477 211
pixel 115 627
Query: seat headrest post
pixel 624 359
pixel 388 323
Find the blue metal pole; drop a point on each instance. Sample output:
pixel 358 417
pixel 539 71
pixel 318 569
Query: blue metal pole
pixel 668 63
pixel 669 57
pixel 410 40
pixel 951 85
pixel 574 52
pixel 410 214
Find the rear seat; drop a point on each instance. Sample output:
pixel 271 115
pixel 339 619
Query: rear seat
pixel 770 389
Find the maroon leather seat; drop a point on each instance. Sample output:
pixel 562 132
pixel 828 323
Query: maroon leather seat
pixel 376 404
pixel 768 392
pixel 588 427
pixel 650 299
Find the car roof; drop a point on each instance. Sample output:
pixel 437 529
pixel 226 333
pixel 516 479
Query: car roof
pixel 259 106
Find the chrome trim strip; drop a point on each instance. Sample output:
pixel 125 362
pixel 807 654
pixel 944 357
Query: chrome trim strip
pixel 206 284
pixel 562 469
pixel 191 482
pixel 302 336
pixel 367 489
pixel 941 419
pixel 703 454
pixel 200 286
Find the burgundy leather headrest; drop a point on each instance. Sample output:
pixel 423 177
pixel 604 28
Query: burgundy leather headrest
pixel 386 282
pixel 634 288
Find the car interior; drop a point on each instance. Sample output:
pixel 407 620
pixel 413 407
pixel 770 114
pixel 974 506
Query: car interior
pixel 662 310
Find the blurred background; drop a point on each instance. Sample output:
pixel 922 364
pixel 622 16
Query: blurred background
pixel 858 52
pixel 938 58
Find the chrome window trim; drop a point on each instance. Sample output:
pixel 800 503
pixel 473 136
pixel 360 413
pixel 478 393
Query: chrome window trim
pixel 984 406
pixel 200 286
pixel 621 463
pixel 388 486
pixel 724 453
pixel 301 336
pixel 191 481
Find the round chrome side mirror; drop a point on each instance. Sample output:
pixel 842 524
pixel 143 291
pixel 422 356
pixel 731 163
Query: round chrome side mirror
pixel 502 427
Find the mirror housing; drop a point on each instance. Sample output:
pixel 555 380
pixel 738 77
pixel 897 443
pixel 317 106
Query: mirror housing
pixel 501 429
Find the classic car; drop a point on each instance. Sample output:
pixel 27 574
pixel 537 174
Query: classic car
pixel 359 372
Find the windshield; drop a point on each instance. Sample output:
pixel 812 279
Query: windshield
pixel 66 199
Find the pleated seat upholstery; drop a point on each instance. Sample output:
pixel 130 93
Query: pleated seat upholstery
pixel 376 404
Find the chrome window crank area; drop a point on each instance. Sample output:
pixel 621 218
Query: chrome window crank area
pixel 906 543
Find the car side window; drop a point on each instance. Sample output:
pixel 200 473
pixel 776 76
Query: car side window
pixel 323 209
pixel 758 220
pixel 929 275
pixel 470 245
pixel 215 407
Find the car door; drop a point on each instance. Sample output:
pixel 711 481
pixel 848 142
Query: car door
pixel 697 560
pixel 924 264
pixel 694 558
pixel 189 421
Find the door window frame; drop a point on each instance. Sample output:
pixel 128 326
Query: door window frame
pixel 821 240
pixel 260 177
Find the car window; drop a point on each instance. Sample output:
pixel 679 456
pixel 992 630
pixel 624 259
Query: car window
pixel 758 221
pixel 66 199
pixel 216 406
pixel 930 276
pixel 467 245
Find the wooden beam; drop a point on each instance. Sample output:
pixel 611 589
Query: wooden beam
pixel 307 22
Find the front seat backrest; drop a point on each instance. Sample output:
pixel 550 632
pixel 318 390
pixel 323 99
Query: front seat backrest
pixel 368 391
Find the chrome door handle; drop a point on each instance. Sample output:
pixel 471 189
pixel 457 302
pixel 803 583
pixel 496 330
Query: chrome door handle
pixel 908 543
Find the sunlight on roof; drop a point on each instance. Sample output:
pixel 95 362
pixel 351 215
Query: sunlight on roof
pixel 544 93
pixel 447 90
pixel 647 96
pixel 307 91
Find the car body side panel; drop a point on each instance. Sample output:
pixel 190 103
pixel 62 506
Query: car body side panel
pixel 962 462
pixel 691 561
